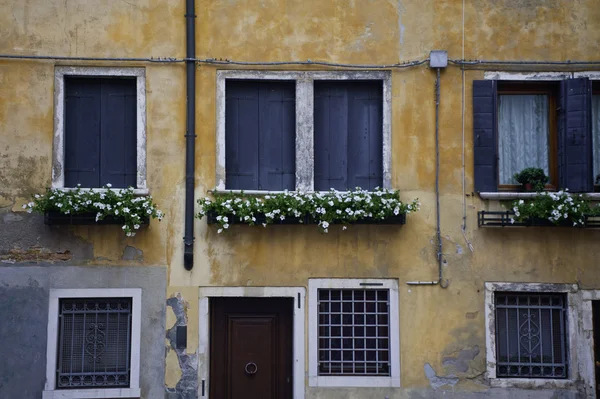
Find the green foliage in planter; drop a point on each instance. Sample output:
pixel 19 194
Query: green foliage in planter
pixel 555 207
pixel 120 203
pixel 534 176
pixel 326 208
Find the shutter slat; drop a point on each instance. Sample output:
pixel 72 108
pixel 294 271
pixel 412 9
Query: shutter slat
pixel 575 136
pixel 485 135
pixel 321 137
pixel 241 135
pixel 82 132
pixel 118 137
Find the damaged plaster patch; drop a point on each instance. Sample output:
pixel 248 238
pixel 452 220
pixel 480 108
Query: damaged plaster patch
pixel 132 253
pixel 187 387
pixel 461 359
pixel 437 382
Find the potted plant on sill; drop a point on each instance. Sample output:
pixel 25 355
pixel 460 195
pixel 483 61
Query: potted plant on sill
pixel 531 179
pixel 89 206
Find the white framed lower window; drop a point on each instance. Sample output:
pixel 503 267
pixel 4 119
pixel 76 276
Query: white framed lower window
pixel 353 333
pixel 531 334
pixel 93 343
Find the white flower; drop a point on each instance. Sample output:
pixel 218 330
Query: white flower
pixel 125 210
pixel 219 231
pixel 24 206
pixel 324 224
pixel 59 205
pixel 330 203
pixel 226 226
pixel 344 227
pixel 225 219
pixel 108 185
pixel 124 227
pixel 37 196
pixel 116 211
pixel 136 226
pixel 282 217
pixel 264 225
pixel 149 211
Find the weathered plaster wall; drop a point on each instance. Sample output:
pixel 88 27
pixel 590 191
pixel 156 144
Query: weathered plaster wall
pixel 442 331
pixel 24 290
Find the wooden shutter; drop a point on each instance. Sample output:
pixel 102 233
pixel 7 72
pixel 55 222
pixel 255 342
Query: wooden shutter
pixel 241 135
pixel 118 133
pixel 277 136
pixel 348 135
pixel 260 135
pixel 82 132
pixel 485 135
pixel 575 136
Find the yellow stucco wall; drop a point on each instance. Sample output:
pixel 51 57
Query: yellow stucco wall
pixel 434 322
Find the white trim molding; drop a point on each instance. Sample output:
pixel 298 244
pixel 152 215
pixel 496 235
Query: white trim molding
pixel 50 391
pixel 502 75
pixel 509 195
pixel 304 118
pixel 314 379
pixel 297 293
pixel 586 351
pixel 58 148
pixel 573 306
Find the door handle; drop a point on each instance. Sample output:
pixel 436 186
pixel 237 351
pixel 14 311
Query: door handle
pixel 251 368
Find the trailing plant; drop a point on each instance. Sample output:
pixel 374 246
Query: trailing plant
pixel 118 203
pixel 533 176
pixel 324 208
pixel 555 207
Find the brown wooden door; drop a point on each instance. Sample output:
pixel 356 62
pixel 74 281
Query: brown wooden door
pixel 251 348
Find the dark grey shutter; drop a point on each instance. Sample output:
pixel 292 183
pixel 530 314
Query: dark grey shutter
pixel 241 135
pixel 118 133
pixel 348 135
pixel 575 136
pixel 260 139
pixel 82 132
pixel 485 135
pixel 277 136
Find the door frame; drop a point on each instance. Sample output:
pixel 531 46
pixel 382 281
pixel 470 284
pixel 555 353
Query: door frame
pixel 586 346
pixel 298 329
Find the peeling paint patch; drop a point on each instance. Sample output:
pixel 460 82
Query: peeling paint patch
pixel 132 253
pixel 437 382
pixel 460 361
pixel 187 387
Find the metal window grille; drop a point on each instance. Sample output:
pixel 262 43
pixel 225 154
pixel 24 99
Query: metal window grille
pixel 94 341
pixel 354 332
pixel 531 337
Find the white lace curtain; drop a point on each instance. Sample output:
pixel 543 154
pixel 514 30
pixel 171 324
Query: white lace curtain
pixel 596 133
pixel 523 134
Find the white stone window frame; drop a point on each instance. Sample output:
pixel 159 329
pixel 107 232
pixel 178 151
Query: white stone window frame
pixel 304 119
pixel 58 148
pixel 572 330
pixel 50 391
pixel 314 379
pixel 533 77
pixel 297 293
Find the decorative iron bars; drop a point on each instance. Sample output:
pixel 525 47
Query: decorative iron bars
pixel 354 332
pixel 531 338
pixel 94 341
pixel 503 219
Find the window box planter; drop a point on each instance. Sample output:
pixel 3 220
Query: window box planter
pixel 87 218
pixel 307 219
pixel 503 219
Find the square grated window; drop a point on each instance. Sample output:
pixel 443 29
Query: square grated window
pixel 94 343
pixel 354 332
pixel 531 338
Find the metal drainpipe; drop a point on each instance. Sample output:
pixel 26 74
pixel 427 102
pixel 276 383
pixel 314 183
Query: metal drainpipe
pixel 440 253
pixel 190 134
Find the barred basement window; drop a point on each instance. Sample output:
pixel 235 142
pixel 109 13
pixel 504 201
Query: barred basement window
pixel 94 343
pixel 531 338
pixel 354 332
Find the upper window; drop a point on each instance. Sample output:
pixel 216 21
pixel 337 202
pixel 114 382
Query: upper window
pixel 354 335
pixel 99 128
pixel 348 135
pixel 303 130
pixel 260 135
pixel 93 343
pixel 523 124
pixel 596 131
pixel 527 133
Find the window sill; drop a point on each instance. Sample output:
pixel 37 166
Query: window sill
pixel 510 195
pixel 108 393
pixel 142 192
pixel 530 383
pixel 354 381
